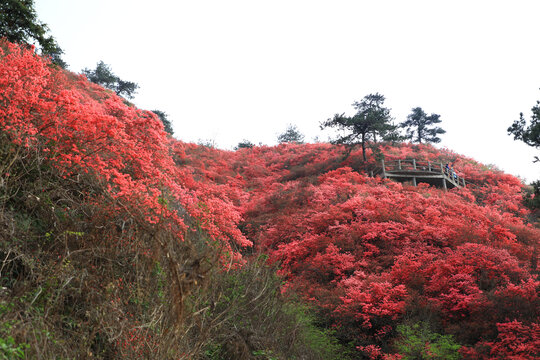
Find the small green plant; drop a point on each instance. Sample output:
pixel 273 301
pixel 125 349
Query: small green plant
pixel 419 342
pixel 321 341
pixel 264 354
pixel 213 352
pixel 159 275
pixel 9 349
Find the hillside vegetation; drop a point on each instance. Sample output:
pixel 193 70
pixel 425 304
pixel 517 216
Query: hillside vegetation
pixel 119 242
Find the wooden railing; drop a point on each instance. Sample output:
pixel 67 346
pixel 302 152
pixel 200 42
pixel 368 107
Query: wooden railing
pixel 416 168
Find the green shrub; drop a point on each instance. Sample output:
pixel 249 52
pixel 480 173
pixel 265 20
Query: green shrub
pixel 9 348
pixel 419 342
pixel 242 314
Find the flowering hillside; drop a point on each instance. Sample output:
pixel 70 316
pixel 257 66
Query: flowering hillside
pixel 120 242
pixel 96 219
pixel 379 258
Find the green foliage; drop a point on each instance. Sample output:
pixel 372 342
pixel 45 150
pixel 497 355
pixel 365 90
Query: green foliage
pixel 321 340
pixel 103 75
pixel 213 352
pixel 19 24
pixel 372 119
pixel 532 196
pixel 164 119
pixel 528 133
pixel 246 315
pixel 263 354
pixel 9 348
pixel 419 342
pixel 244 144
pixel 291 135
pixel 420 126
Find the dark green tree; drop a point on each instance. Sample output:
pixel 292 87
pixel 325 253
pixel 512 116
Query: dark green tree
pixel 291 135
pixel 420 127
pixel 532 196
pixel 126 88
pixel 103 75
pixel 528 133
pixel 164 119
pixel 19 24
pixel 244 144
pixel 372 119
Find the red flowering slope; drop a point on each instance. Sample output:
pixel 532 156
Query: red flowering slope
pixel 94 195
pixel 103 236
pixel 83 128
pixel 117 242
pixel 373 254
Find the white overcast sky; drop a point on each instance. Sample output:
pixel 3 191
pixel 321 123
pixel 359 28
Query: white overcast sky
pixel 232 70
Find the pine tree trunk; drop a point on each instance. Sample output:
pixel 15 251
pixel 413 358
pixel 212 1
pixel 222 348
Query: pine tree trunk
pixel 364 147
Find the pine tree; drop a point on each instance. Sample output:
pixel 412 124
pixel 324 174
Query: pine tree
pixel 19 24
pixel 420 127
pixel 371 119
pixel 103 75
pixel 244 144
pixel 164 119
pixel 528 133
pixel 291 135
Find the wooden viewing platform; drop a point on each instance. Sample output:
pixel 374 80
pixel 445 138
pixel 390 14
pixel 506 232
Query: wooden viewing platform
pixel 433 173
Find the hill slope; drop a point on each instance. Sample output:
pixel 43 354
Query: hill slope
pixel 120 242
pixel 375 256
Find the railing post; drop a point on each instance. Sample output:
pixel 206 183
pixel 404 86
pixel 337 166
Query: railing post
pixel 414 164
pixel 429 166
pixel 383 169
pixel 399 164
pixel 464 183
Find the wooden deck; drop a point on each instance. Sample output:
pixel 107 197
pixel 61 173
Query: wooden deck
pixel 413 171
